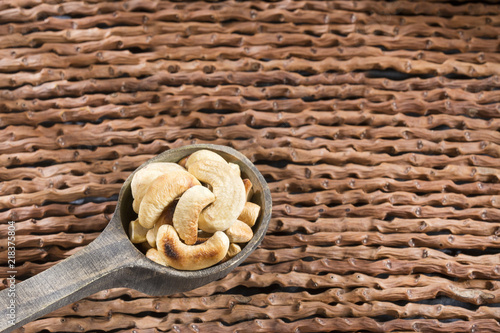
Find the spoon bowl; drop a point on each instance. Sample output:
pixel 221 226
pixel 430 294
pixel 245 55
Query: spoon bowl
pixel 111 260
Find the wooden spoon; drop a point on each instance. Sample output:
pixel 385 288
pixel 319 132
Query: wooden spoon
pixel 111 260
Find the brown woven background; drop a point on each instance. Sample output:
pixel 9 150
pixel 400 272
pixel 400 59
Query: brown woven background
pixel 375 123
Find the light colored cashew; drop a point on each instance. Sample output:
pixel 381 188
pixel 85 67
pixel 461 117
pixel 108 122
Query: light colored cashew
pixel 137 232
pixel 189 207
pixel 235 168
pixel 250 213
pixel 144 177
pixel 161 193
pixel 229 194
pixel 248 188
pixel 151 236
pixel 203 155
pixel 190 257
pixel 154 255
pixel 239 232
pixel 233 250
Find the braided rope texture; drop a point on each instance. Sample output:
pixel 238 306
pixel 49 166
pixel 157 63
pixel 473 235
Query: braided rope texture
pixel 375 123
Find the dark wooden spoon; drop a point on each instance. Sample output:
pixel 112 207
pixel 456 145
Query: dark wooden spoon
pixel 111 260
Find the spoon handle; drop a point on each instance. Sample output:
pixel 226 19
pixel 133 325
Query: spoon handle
pixel 88 271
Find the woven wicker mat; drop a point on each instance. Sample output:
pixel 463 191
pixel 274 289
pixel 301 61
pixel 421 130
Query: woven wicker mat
pixel 375 124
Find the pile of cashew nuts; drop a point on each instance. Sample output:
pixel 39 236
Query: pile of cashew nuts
pixel 192 214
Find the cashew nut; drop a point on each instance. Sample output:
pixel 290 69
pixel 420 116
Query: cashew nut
pixel 189 207
pixel 233 250
pixel 229 194
pixel 190 257
pixel 144 177
pixel 188 226
pixel 151 236
pixel 137 232
pixel 250 213
pixel 239 232
pixel 248 188
pixel 203 155
pixel 154 255
pixel 161 193
pixel 235 168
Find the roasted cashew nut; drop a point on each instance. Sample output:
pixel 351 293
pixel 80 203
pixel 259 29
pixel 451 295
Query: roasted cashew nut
pixel 154 255
pixel 188 226
pixel 145 177
pixel 189 207
pixel 233 250
pixel 250 213
pixel 235 168
pixel 229 191
pixel 239 232
pixel 151 236
pixel 190 257
pixel 161 193
pixel 248 188
pixel 137 232
pixel 203 155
